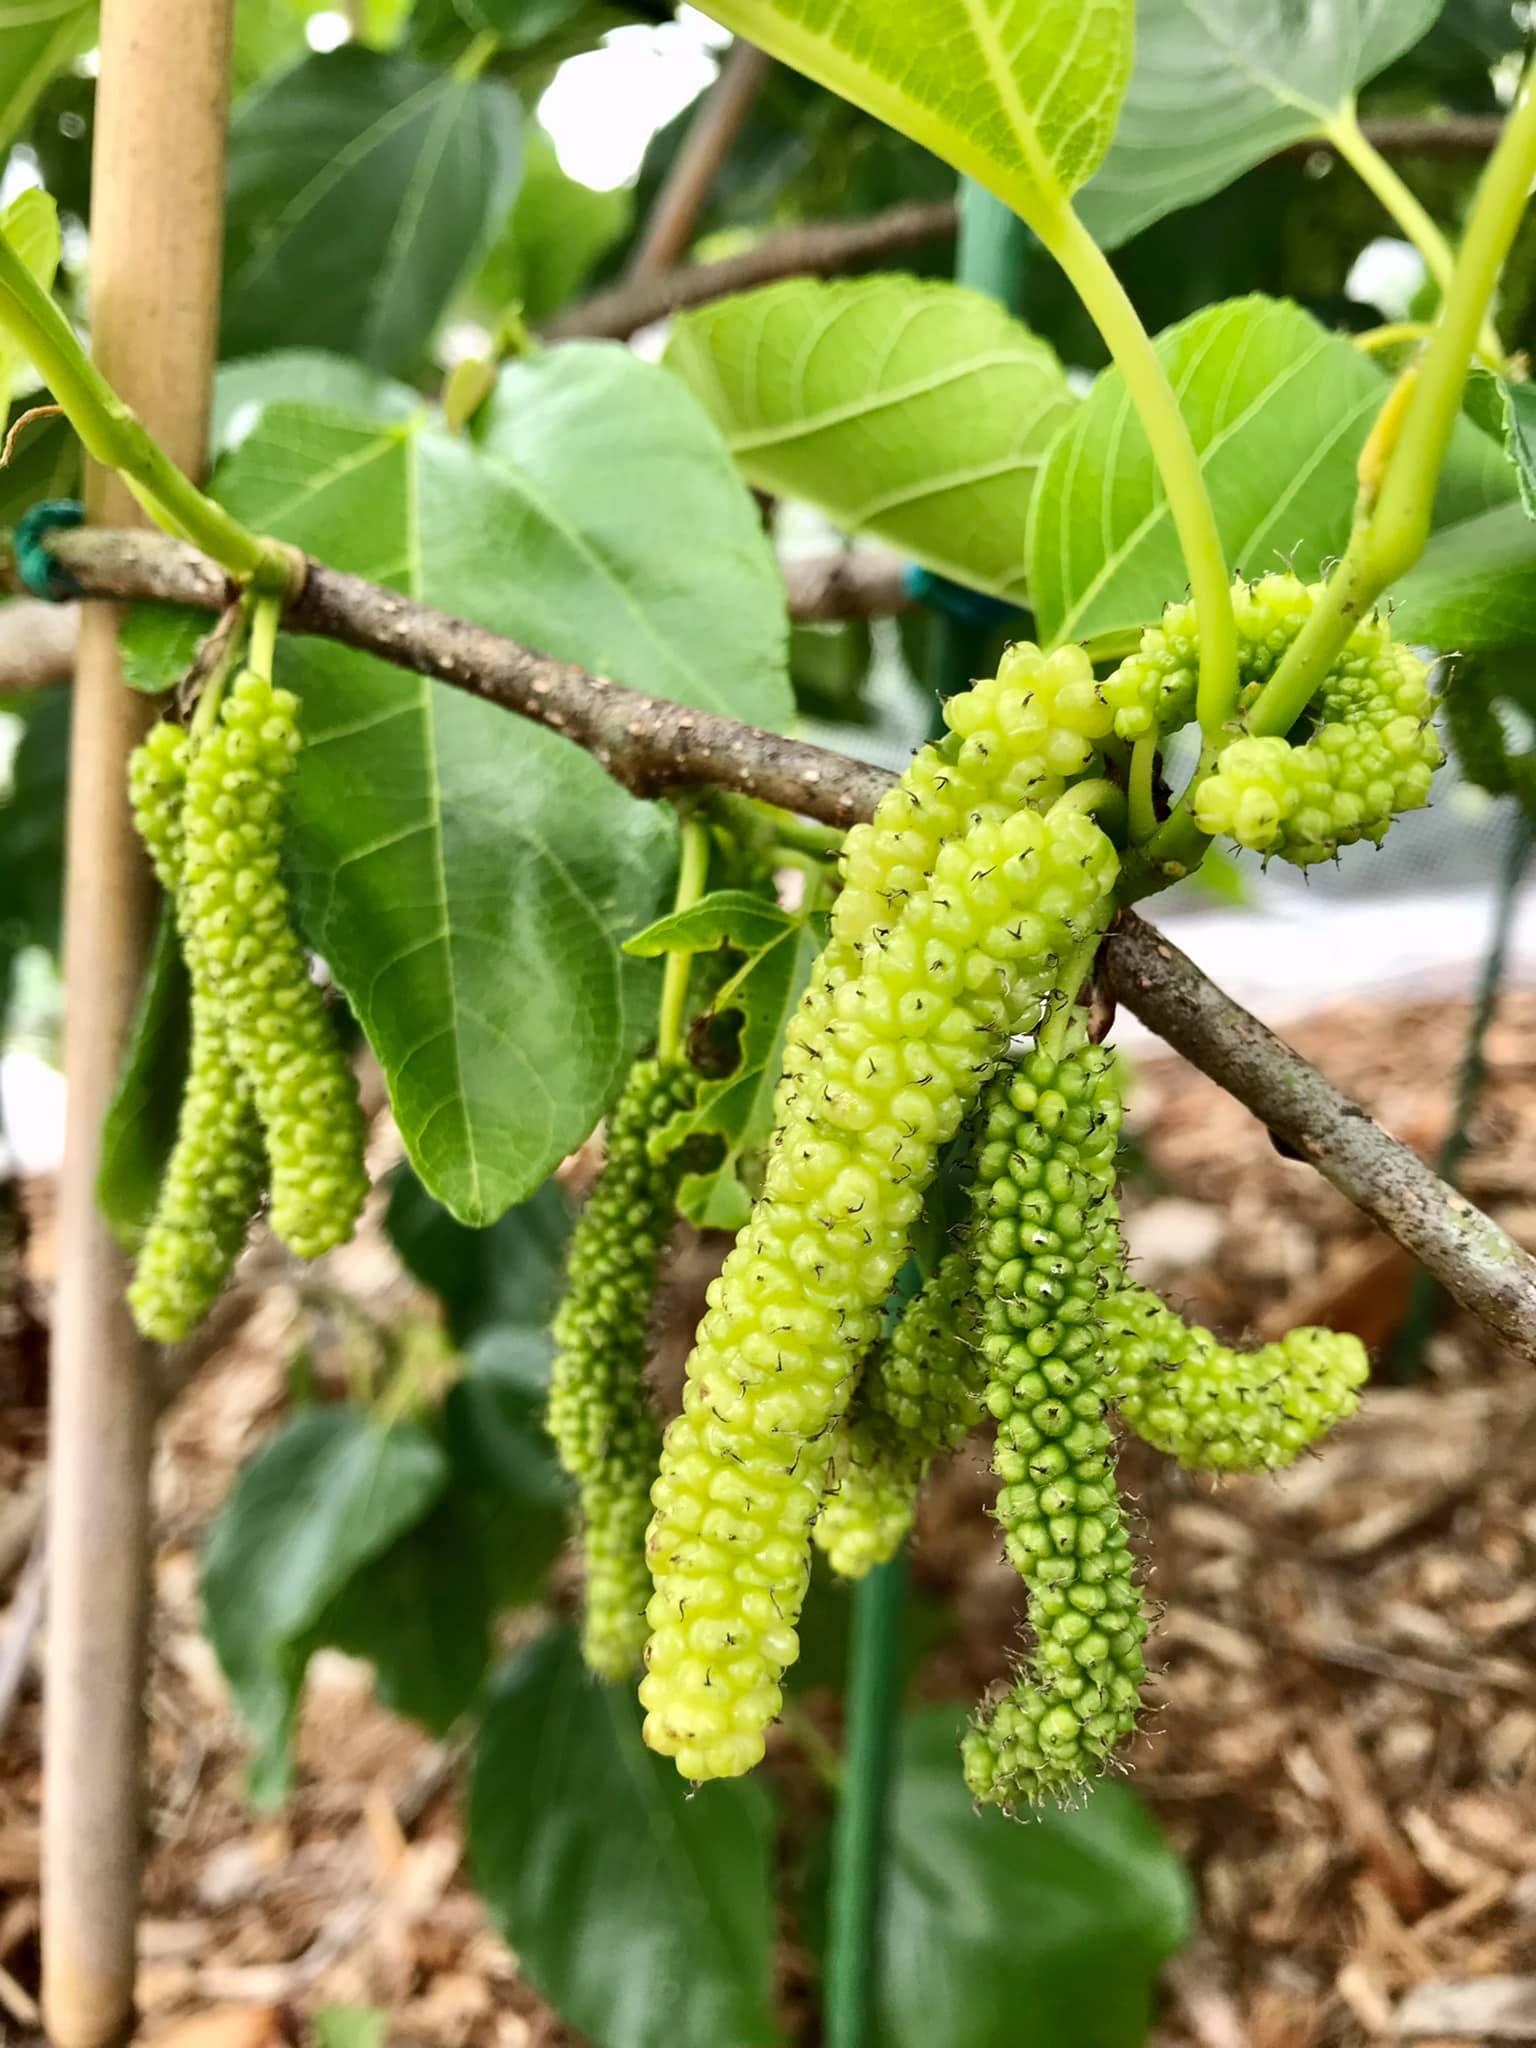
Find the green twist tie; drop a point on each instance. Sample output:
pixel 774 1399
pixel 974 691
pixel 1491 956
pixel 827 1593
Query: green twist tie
pixel 43 575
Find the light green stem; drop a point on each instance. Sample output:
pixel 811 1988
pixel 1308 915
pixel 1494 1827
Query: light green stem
pixel 114 435
pixel 1391 528
pixel 1373 170
pixel 211 695
pixel 1400 522
pixel 1396 332
pixel 1173 451
pixel 692 870
pixel 267 612
pixel 1076 968
pixel 1098 796
pixel 1140 805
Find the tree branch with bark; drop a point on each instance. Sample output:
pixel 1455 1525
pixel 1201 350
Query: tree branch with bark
pixel 651 746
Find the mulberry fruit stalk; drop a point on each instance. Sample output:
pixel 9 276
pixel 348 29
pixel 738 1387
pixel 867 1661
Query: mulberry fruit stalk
pixel 600 1414
pixel 882 1083
pixel 918 1397
pixel 246 959
pixel 214 1177
pixel 1044 1221
pixel 1220 1410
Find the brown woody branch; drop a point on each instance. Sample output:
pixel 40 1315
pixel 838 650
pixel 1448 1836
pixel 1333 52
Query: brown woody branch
pixel 817 251
pixel 1469 1254
pixel 708 142
pixel 651 746
pixel 826 250
pixel 37 640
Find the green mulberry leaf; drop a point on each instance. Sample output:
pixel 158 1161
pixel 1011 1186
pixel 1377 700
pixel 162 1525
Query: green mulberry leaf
pixel 628 1902
pixel 915 411
pixel 1218 85
pixel 1021 95
pixel 1278 409
pixel 325 1496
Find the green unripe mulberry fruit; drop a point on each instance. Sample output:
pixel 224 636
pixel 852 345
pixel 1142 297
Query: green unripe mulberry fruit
pixel 1015 738
pixel 879 1088
pixel 1043 1197
pixel 217 1168
pixel 211 1190
pixel 600 1413
pixel 1370 751
pixel 1220 1410
pixel 157 785
pixel 918 1397
pixel 240 942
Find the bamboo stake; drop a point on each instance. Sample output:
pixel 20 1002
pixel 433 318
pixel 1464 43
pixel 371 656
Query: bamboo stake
pixel 156 233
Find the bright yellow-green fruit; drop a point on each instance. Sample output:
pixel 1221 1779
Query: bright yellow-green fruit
pixel 881 1086
pixel 214 1178
pixel 1369 753
pixel 242 948
pixel 600 1413
pixel 1043 1202
pixel 918 1397
pixel 212 1188
pixel 1220 1410
pixel 1015 738
pixel 157 783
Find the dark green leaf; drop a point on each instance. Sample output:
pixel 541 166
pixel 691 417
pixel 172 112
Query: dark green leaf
pixel 139 1128
pixel 643 1914
pixel 32 825
pixel 1520 438
pixel 467 876
pixel 302 376
pixel 331 1491
pixel 507 1275
pixel 362 188
pixel 829 665
pixel 1218 85
pixel 37 39
pixel 557 232
pixel 732 917
pixel 421 1613
pixel 1066 1917
pixel 1474 588
pixel 763 992
pixel 444 29
pixel 506 1478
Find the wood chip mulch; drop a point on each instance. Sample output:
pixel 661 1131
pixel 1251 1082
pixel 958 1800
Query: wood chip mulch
pixel 1343 1736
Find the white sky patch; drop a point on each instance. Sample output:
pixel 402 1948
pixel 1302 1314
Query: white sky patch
pixel 604 106
pixel 1387 273
pixel 327 30
pixel 20 174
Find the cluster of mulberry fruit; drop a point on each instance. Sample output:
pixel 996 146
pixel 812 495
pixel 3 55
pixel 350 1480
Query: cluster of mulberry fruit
pixel 969 911
pixel 903 1050
pixel 1368 753
pixel 270 1101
